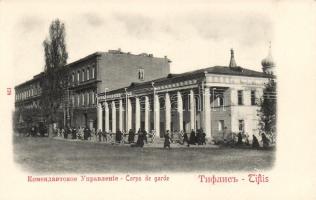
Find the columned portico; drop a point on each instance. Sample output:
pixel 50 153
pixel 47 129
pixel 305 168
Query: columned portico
pixel 168 111
pixel 106 116
pixel 113 117
pixel 137 113
pixel 180 110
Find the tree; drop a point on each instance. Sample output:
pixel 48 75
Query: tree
pixel 267 111
pixel 54 80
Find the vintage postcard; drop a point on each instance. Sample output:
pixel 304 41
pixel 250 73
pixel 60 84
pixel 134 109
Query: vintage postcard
pixel 150 99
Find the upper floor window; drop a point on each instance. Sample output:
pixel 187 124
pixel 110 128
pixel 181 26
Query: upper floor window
pixel 253 97
pixel 82 75
pixel 73 77
pixel 141 74
pixel 78 76
pixel 240 97
pixel 93 72
pixel 88 73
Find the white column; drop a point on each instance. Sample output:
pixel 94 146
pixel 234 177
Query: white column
pixel 137 114
pixel 106 116
pixel 157 115
pixel 207 112
pixel 192 110
pixel 167 112
pixel 147 114
pixel 180 110
pixel 99 116
pixel 113 117
pixel 129 115
pixel 120 115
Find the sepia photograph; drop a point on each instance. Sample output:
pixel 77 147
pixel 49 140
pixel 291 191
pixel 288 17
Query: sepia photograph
pixel 123 96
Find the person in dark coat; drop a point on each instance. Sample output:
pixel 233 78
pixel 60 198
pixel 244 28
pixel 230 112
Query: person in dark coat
pixel 85 134
pixel 167 140
pixel 118 136
pixel 66 133
pixel 145 136
pixel 131 136
pixel 140 140
pixel 203 137
pixel 186 139
pixel 239 139
pixel 192 137
pixel 199 137
pixel 265 140
pixel 74 134
pixel 255 142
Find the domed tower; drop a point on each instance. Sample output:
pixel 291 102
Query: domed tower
pixel 268 65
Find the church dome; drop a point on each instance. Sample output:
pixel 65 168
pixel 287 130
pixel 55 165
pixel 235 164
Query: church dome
pixel 268 63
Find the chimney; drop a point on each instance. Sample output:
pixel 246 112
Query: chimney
pixel 232 62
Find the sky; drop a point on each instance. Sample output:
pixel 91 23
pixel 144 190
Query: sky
pixel 191 35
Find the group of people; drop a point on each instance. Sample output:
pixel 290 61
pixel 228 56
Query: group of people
pixel 75 133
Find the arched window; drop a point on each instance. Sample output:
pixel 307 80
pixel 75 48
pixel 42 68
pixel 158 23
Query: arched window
pixel 73 77
pixel 78 76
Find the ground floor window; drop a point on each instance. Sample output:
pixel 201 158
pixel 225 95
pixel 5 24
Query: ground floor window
pixel 241 126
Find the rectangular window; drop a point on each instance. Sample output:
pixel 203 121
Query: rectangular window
pixel 221 125
pixel 88 98
pixel 92 98
pixel 253 97
pixel 78 100
pixel 82 99
pixel 78 76
pixel 241 126
pixel 82 75
pixel 88 74
pixel 93 72
pixel 240 97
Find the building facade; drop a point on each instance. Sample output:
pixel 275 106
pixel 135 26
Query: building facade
pixel 212 99
pixel 87 77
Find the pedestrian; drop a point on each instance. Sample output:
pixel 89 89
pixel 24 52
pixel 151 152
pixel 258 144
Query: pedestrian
pixel 167 140
pixel 118 136
pixel 255 142
pixel 145 136
pixel 85 133
pixel 186 139
pixel 192 137
pixel 131 136
pixel 265 140
pixel 239 140
pixel 140 140
pixel 203 137
pixel 74 134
